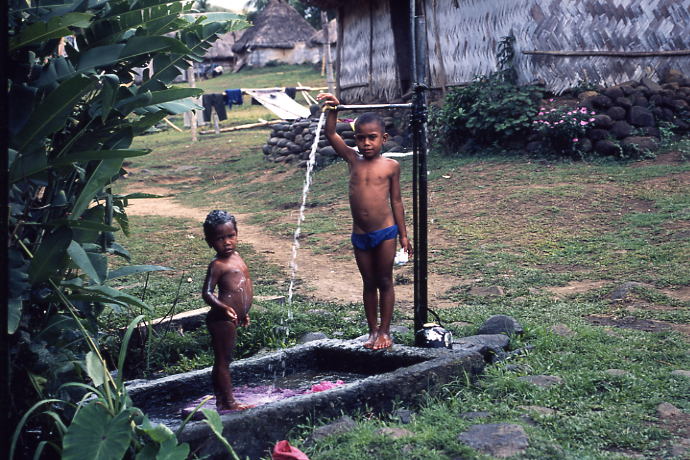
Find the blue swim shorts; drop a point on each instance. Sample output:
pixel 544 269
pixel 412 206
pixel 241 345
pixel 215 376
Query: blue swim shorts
pixel 367 241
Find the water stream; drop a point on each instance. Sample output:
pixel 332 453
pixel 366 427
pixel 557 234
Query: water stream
pixel 300 217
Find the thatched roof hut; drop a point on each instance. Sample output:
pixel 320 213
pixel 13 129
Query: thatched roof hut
pixel 319 38
pixel 562 42
pixel 279 34
pixel 221 49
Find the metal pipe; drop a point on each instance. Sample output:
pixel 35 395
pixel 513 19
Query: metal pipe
pixel 420 164
pixel 373 106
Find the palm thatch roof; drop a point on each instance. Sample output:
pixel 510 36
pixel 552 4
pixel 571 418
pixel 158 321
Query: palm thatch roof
pixel 278 25
pixel 222 48
pixel 319 38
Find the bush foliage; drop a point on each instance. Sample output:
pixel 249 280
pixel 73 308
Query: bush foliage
pixel 73 116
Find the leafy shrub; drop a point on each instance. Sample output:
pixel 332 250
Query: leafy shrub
pixel 489 110
pixel 562 129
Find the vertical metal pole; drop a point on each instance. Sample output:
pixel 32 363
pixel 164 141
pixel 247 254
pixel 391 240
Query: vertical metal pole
pixel 420 166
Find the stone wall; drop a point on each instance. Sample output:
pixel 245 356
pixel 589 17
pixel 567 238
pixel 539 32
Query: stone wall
pixel 631 114
pixel 291 142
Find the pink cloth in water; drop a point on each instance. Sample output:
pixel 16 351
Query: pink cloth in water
pixel 325 385
pixel 284 451
pixel 259 395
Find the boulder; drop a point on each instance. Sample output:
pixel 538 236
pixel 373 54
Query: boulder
pixel 641 143
pixel 621 129
pixel 616 113
pixel 496 439
pixel 500 324
pixel 641 116
pixel 607 148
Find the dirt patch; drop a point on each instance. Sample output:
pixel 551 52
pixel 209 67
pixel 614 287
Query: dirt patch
pixel 576 287
pixel 630 322
pixel 321 276
pixel 670 158
pixel 682 294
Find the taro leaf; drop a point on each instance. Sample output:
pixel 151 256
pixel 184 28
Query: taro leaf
pixel 97 435
pixel 95 368
pixel 57 27
pixel 170 450
pixel 158 432
pixel 82 260
pixel 14 314
pixel 212 419
pixel 100 177
pixel 51 114
pixel 50 255
pixel 134 269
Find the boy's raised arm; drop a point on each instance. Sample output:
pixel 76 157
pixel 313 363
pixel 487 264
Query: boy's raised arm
pixel 337 142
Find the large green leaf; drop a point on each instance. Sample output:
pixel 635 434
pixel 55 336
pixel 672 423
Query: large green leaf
pixel 135 269
pixel 97 435
pixel 109 55
pixel 170 450
pixel 100 177
pixel 50 255
pixel 50 115
pixel 95 368
pixel 89 155
pixel 106 293
pixel 14 314
pixel 55 28
pixel 82 260
pixel 212 419
pixel 233 21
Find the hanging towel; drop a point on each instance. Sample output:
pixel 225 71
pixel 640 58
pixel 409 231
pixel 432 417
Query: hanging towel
pixel 292 92
pixel 233 97
pixel 214 101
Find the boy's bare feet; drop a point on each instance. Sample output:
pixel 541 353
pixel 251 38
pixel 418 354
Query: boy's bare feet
pixel 371 340
pixel 383 340
pixel 233 407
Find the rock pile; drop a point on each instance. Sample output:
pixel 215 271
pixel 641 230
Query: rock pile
pixel 291 142
pixel 629 114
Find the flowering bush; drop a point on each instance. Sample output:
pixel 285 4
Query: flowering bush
pixel 563 129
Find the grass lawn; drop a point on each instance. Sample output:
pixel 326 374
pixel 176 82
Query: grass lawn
pixel 556 236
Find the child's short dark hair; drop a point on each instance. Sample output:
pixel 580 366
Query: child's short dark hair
pixel 370 117
pixel 215 218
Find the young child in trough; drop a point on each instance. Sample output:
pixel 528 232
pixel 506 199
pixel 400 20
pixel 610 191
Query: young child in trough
pixel 230 308
pixel 378 216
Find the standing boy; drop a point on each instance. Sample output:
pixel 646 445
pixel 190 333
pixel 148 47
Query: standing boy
pixel 378 216
pixel 230 308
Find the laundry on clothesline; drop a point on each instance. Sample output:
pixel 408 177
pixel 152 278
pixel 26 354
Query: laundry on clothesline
pixel 291 91
pixel 214 101
pixel 278 102
pixel 233 97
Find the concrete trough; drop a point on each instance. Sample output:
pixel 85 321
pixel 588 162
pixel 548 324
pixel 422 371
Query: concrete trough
pixel 377 380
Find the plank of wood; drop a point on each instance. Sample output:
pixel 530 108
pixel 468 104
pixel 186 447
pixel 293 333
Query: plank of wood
pixel 247 126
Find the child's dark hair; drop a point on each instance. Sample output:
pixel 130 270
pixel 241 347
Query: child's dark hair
pixel 215 218
pixel 370 117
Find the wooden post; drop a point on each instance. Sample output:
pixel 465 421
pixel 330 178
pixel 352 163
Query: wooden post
pixel 330 81
pixel 216 126
pixel 193 121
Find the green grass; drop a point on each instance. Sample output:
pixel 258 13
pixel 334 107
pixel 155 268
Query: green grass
pixel 525 224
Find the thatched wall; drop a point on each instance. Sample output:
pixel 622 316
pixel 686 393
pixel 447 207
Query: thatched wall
pixel 367 68
pixel 462 37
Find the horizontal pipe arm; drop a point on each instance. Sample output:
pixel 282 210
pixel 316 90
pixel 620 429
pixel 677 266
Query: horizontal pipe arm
pixel 374 106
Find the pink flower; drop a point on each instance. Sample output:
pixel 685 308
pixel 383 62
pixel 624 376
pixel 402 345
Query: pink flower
pixel 583 123
pixel 591 119
pixel 575 139
pixel 550 100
